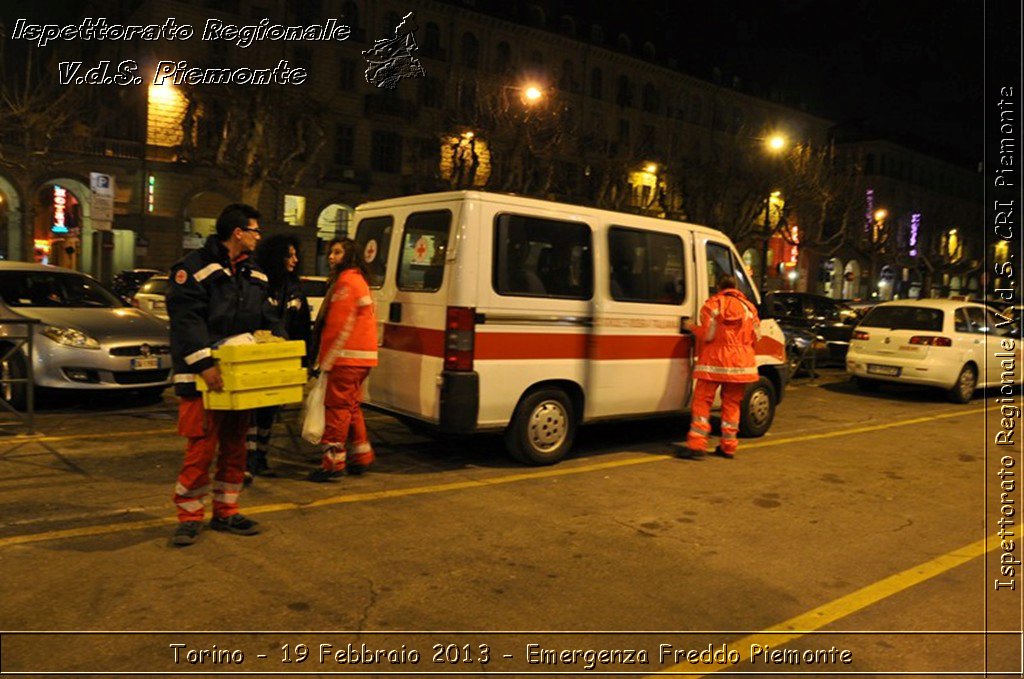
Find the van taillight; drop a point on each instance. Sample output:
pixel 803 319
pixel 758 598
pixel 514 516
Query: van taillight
pixel 931 341
pixel 459 326
pixel 860 334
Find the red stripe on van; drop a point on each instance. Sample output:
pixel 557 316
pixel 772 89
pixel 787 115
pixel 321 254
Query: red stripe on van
pixel 767 346
pixel 526 345
pixel 414 340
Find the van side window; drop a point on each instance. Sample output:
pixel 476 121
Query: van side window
pixel 424 244
pixel 536 257
pixel 646 266
pixel 374 236
pixel 722 261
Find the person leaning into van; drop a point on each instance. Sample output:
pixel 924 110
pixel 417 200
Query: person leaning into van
pixel 347 333
pixel 278 257
pixel 728 330
pixel 216 292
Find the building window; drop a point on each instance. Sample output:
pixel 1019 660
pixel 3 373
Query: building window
pixel 347 75
pixel 502 58
pixel 565 81
pixel 432 92
pixel 386 152
pixel 624 95
pixel 294 210
pixel 431 40
pixel 470 51
pixel 650 98
pixel 596 85
pixel 623 130
pixel 344 145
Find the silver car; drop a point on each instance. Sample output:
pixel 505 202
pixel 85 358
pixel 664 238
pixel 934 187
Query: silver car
pixel 86 337
pixel 152 297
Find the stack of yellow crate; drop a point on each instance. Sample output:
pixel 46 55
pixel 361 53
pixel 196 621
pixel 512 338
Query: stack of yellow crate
pixel 257 375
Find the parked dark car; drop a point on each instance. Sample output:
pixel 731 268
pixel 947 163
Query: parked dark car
pixel 128 282
pixel 820 315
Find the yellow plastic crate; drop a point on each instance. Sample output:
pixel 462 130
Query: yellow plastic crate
pixel 267 379
pixel 268 351
pixel 254 398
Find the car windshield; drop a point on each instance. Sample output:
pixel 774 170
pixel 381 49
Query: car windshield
pixel 314 288
pixel 54 289
pixel 156 286
pixel 903 318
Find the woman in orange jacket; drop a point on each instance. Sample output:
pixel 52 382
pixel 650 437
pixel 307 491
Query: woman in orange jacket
pixel 728 330
pixel 347 332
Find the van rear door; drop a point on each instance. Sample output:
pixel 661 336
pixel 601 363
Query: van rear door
pixel 407 250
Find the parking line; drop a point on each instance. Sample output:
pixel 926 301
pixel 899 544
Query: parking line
pixel 28 438
pixel 562 470
pixel 815 619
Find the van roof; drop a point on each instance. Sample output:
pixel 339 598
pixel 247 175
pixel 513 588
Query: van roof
pixel 510 199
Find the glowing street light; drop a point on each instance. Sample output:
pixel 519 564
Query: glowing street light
pixel 532 94
pixel 776 143
pixel 651 168
pixel 881 214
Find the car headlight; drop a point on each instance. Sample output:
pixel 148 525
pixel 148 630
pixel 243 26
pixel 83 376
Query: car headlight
pixel 70 337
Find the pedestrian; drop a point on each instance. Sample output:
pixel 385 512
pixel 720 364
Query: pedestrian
pixel 728 329
pixel 347 334
pixel 278 258
pixel 216 292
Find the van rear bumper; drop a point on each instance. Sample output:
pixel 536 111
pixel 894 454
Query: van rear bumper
pixel 460 402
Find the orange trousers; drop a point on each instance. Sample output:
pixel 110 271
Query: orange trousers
pixel 700 414
pixel 204 429
pixel 343 418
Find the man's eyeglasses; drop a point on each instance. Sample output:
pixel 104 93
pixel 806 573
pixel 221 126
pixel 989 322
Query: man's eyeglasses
pixel 246 228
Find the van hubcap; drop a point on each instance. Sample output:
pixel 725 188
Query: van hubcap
pixel 548 426
pixel 760 407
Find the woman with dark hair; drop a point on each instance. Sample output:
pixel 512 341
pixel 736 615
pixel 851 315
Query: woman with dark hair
pixel 346 331
pixel 278 257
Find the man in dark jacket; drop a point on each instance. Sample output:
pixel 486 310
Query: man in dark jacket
pixel 216 292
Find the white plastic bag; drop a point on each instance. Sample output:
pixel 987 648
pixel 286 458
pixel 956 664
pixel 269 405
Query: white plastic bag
pixel 313 411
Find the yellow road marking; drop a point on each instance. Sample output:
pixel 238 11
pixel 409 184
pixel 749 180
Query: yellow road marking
pixel 563 470
pixel 26 438
pixel 815 619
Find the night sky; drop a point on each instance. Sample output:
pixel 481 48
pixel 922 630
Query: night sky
pixel 907 70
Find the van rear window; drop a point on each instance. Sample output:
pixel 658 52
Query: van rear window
pixel 374 236
pixel 535 257
pixel 903 318
pixel 424 244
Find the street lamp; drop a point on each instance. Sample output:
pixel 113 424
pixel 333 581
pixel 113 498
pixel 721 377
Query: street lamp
pixel 532 95
pixel 774 144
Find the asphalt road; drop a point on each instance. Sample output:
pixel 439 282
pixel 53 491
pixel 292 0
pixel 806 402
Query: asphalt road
pixel 855 537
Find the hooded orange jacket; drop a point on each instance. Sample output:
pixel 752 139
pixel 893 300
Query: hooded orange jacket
pixel 729 328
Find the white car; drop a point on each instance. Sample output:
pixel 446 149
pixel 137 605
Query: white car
pixel 955 345
pixel 152 297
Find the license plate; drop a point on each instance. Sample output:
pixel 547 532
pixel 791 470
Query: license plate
pixel 148 363
pixel 889 370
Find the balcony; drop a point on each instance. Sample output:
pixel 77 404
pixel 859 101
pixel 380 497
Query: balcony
pixel 99 146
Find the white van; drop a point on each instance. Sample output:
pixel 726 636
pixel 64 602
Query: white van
pixel 505 313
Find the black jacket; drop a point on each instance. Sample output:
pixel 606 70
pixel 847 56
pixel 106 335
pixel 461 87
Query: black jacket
pixel 210 300
pixel 293 307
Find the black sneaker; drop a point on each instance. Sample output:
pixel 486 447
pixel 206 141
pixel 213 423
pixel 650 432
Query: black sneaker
pixel 248 479
pixel 186 533
pixel 721 453
pixel 690 454
pixel 321 475
pixel 236 524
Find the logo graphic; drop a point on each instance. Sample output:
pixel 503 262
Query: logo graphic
pixel 391 59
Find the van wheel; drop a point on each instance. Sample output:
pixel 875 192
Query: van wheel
pixel 965 385
pixel 13 368
pixel 758 408
pixel 542 428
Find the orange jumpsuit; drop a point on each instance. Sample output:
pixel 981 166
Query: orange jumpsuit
pixel 728 329
pixel 348 349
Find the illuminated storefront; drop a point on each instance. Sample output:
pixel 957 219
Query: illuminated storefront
pixel 57 233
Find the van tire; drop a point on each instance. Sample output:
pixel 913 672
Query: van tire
pixel 543 427
pixel 757 409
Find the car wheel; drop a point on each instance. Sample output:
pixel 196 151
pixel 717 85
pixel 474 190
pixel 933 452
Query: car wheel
pixel 965 385
pixel 866 385
pixel 542 429
pixel 13 368
pixel 758 408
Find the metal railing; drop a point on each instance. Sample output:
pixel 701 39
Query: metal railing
pixel 17 374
